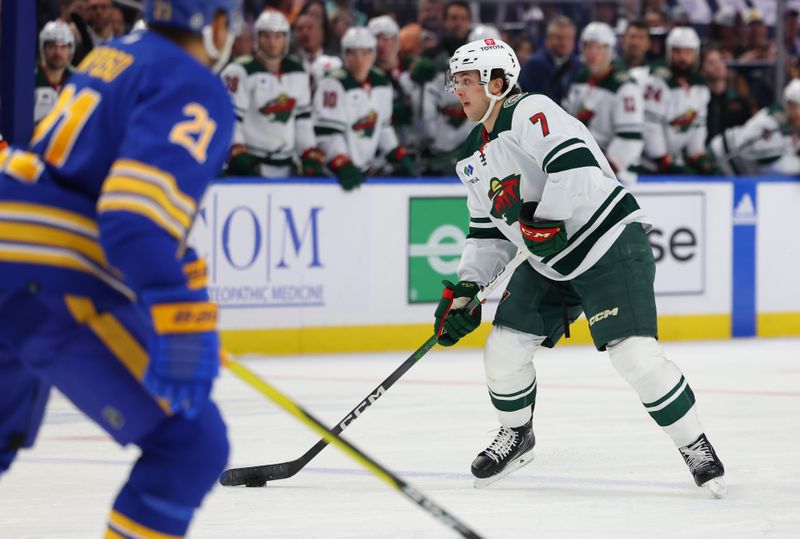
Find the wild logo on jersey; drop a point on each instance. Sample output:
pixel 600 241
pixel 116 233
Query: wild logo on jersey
pixel 280 109
pixel 365 126
pixel 585 116
pixel 505 198
pixel 454 115
pixel 685 120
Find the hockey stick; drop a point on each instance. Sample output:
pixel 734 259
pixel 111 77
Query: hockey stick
pixel 387 476
pixel 257 476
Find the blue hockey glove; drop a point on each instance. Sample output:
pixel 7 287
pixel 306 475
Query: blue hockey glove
pixel 452 319
pixel 184 354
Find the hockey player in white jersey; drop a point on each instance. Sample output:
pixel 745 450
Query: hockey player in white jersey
pixel 609 102
pixel 353 115
pixel 56 49
pixel 767 143
pixel 675 104
pixel 537 180
pixel 272 100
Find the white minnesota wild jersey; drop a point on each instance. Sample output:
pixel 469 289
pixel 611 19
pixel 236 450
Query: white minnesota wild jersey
pixel 273 110
pixel 445 123
pixel 537 152
pixel 675 116
pixel 46 92
pixel 612 108
pixel 765 143
pixel 354 119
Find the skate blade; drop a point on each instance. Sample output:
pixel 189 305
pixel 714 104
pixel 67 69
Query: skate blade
pixel 525 459
pixel 716 487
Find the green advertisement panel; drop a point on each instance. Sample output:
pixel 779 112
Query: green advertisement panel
pixel 437 228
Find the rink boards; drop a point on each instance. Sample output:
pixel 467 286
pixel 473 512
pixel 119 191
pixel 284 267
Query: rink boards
pixel 301 266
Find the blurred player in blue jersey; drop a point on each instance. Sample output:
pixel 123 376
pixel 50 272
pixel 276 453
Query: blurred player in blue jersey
pixel 99 295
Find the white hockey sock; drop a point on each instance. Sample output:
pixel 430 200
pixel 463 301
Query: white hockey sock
pixel 510 375
pixel 661 386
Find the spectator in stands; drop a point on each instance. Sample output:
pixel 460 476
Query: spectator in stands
pixel 353 115
pixel 634 49
pixel 609 102
pixel 75 13
pixel 310 34
pixel 272 102
pixel 117 22
pixel 524 49
pixel 100 28
pixel 410 42
pixel 730 104
pixel 767 144
pixel 551 70
pixel 676 103
pixel 337 7
pixel 791 32
pixel 658 27
pixel 760 48
pixel 430 14
pixel 341 22
pixel 726 32
pixel 243 44
pixel 56 47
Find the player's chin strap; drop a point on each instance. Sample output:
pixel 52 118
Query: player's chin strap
pixel 220 56
pixel 493 99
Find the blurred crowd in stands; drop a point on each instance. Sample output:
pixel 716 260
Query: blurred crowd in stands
pixel 355 88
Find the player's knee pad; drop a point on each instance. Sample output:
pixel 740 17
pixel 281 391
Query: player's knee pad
pixel 636 357
pixel 182 459
pixel 509 351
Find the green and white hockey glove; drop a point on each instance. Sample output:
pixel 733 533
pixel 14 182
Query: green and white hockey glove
pixel 403 163
pixel 349 175
pixel 313 161
pixel 452 319
pixel 242 163
pixel 543 238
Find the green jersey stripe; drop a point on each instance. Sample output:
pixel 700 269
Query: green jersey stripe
pixel 630 136
pixel 516 404
pixel 622 209
pixel 515 394
pixel 480 220
pixel 485 234
pixel 581 231
pixel 321 130
pixel 558 148
pixel 676 409
pixel 665 397
pixel 577 158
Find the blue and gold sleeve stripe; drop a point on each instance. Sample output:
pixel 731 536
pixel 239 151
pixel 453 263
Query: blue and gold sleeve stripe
pixel 121 526
pixel 41 234
pixel 135 187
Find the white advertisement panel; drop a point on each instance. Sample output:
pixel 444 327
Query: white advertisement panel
pixel 310 255
pixel 778 247
pixel 692 245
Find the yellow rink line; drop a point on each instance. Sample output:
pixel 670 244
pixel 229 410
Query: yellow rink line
pixel 321 340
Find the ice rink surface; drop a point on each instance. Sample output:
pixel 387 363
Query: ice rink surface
pixel 602 467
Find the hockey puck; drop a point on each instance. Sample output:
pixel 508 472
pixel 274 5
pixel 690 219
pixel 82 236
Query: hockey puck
pixel 256 483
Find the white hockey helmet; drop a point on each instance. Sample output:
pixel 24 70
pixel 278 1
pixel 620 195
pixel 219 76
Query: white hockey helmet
pixel 792 92
pixel 383 26
pixel 599 32
pixel 358 38
pixel 682 37
pixel 273 21
pixel 58 32
pixel 483 56
pixel 483 31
